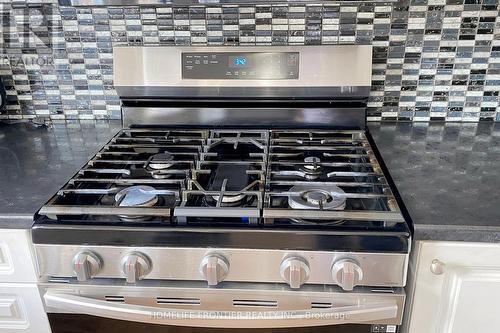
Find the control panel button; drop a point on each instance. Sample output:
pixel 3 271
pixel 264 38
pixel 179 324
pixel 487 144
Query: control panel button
pixel 295 271
pixel 135 266
pixel 214 268
pixel 347 273
pixel 86 265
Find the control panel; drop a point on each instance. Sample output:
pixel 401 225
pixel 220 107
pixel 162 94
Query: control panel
pixel 296 268
pixel 240 65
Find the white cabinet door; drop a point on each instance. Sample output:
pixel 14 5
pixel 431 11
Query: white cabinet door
pixel 16 257
pixel 456 288
pixel 21 309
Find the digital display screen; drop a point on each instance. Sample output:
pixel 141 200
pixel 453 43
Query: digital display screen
pixel 238 61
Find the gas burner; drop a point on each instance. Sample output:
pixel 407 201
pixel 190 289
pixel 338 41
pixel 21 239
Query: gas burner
pixel 143 196
pixel 157 165
pixel 312 168
pixel 161 161
pixel 227 200
pixel 137 196
pixel 324 197
pixel 228 177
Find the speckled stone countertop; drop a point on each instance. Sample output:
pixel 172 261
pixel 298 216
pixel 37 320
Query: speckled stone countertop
pixel 448 176
pixel 35 162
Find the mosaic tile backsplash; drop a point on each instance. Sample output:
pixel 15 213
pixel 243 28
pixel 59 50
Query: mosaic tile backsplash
pixel 433 59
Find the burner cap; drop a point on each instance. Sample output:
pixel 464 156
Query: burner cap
pixel 137 196
pixel 312 169
pixel 313 163
pixel 161 161
pixel 326 197
pixel 230 199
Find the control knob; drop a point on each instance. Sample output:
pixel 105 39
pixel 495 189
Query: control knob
pixel 347 273
pixel 86 265
pixel 295 271
pixel 214 268
pixel 135 266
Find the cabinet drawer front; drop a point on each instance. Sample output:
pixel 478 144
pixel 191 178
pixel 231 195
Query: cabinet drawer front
pixel 13 312
pixel 6 264
pixel 456 288
pixel 21 309
pixel 16 258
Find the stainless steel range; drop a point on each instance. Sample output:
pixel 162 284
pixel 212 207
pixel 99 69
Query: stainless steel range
pixel 243 191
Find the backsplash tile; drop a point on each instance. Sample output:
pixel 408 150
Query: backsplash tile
pixel 433 59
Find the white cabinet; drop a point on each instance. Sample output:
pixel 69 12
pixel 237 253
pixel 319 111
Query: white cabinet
pixel 21 307
pixel 16 258
pixel 455 288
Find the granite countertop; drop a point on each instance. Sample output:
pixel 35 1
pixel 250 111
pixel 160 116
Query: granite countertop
pixel 447 174
pixel 37 161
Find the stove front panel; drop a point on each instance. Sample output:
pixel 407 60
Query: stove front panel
pixel 244 265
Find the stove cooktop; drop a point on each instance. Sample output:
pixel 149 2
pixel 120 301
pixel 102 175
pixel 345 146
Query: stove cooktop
pixel 296 180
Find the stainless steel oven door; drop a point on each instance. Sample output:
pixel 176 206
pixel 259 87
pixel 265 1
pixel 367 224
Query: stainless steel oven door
pixel 232 305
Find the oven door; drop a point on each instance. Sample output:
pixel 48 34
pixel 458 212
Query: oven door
pixel 154 306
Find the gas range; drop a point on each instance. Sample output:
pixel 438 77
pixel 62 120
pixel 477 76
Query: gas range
pixel 255 186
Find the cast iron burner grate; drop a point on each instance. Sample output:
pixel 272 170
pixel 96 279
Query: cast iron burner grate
pixel 227 186
pixel 125 162
pixel 233 177
pixel 326 178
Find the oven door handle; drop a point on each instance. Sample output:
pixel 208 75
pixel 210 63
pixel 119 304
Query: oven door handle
pixel 368 312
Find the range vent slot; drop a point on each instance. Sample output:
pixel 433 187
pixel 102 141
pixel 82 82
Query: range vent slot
pixel 255 303
pixel 115 299
pixel 321 305
pixel 178 301
pixel 58 280
pixel 383 290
